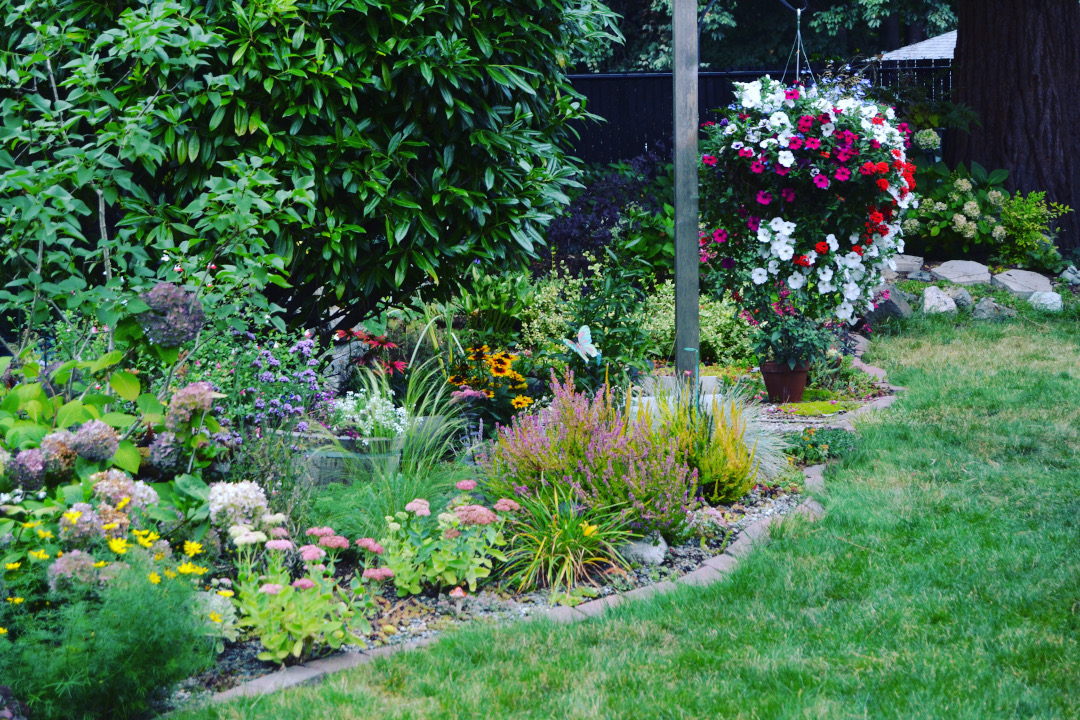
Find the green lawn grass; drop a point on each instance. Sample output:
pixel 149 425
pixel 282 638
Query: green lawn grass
pixel 944 581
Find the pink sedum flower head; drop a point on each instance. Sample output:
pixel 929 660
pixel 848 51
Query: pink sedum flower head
pixel 279 545
pixel 475 515
pixel 310 553
pixel 334 542
pixel 466 485
pixel 378 574
pixel 419 506
pixel 370 545
pixel 279 532
pixel 271 589
pixel 303 584
pixel 319 532
pixel 507 505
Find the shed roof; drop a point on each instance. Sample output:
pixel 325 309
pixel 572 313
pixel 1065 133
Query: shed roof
pixel 936 48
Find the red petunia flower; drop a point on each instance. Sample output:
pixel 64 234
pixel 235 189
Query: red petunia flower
pixel 822 248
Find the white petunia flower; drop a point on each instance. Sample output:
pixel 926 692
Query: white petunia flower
pixel 796 281
pixel 834 244
pixel 782 226
pixel 774 267
pixel 763 234
pixel 779 120
pixel 786 158
pixel 828 129
pixel 851 291
pixel 783 251
pixel 844 310
pixel 759 276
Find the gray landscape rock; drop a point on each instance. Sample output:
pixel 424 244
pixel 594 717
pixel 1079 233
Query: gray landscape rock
pixel 908 263
pixel 987 309
pixel 935 301
pixel 644 551
pixel 921 276
pixel 897 306
pixel 1022 283
pixel 1071 275
pixel 960 296
pixel 1049 301
pixel 962 272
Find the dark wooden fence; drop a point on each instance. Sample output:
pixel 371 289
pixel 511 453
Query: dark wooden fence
pixel 637 107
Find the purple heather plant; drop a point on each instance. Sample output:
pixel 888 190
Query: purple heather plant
pixel 96 441
pixel 586 446
pixel 175 316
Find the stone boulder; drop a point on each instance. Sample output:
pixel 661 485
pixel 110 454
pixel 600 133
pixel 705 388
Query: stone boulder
pixel 908 263
pixel 1022 283
pixel 935 301
pixel 962 272
pixel 921 276
pixel 1048 301
pixel 1071 276
pixel 647 551
pixel 896 306
pixel 960 296
pixel 987 309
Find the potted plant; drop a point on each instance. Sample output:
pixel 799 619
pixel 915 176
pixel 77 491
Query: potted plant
pixel 786 344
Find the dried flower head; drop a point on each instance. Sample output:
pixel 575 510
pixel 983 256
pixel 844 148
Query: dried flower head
pixel 58 450
pixel 175 316
pixel 70 570
pixel 194 400
pixel 27 470
pixel 80 522
pixel 166 453
pixel 96 441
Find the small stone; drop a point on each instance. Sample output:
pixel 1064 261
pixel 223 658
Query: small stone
pixel 962 272
pixel 1071 276
pixel 908 263
pixel 960 296
pixel 647 551
pixel 987 309
pixel 935 301
pixel 921 276
pixel 895 306
pixel 1048 301
pixel 1022 283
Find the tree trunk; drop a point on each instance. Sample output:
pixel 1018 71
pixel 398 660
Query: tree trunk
pixel 1017 64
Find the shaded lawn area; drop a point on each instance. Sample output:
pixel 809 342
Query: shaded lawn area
pixel 943 583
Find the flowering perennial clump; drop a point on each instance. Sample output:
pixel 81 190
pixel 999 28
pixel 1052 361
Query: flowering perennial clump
pixel 806 188
pixel 192 401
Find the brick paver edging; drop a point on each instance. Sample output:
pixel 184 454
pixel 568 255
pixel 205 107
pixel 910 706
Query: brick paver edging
pixel 713 570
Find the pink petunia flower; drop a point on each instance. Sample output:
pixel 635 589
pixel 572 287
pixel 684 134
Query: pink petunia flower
pixel 708 160
pixel 842 174
pixel 782 171
pixel 758 166
pixel 813 143
pixel 821 181
pixel 788 195
pixel 745 152
pixel 764 197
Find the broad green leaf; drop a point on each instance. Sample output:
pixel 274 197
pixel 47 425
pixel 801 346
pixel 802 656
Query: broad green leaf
pixel 125 384
pixel 127 457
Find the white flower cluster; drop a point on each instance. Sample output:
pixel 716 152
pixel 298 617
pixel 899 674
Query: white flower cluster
pixel 236 503
pixel 370 414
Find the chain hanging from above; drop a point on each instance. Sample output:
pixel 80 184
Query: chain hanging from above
pixel 798 50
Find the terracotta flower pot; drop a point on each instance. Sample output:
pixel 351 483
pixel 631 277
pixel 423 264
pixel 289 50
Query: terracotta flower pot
pixel 783 384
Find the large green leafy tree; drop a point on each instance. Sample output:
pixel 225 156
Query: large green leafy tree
pixel 352 150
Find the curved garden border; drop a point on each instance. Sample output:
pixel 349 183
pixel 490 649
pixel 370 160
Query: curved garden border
pixel 712 570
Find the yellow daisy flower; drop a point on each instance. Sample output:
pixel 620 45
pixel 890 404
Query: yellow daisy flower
pixel 38 554
pixel 225 593
pixel 154 578
pixel 13 566
pixel 118 545
pixel 191 549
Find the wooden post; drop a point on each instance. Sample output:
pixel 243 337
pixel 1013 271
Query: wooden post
pixel 685 66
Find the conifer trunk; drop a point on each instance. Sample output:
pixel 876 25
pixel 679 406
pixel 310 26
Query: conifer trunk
pixel 1017 64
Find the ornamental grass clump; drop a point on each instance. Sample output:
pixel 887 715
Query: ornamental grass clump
pixel 599 457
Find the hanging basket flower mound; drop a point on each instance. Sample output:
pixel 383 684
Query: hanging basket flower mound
pixel 803 189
